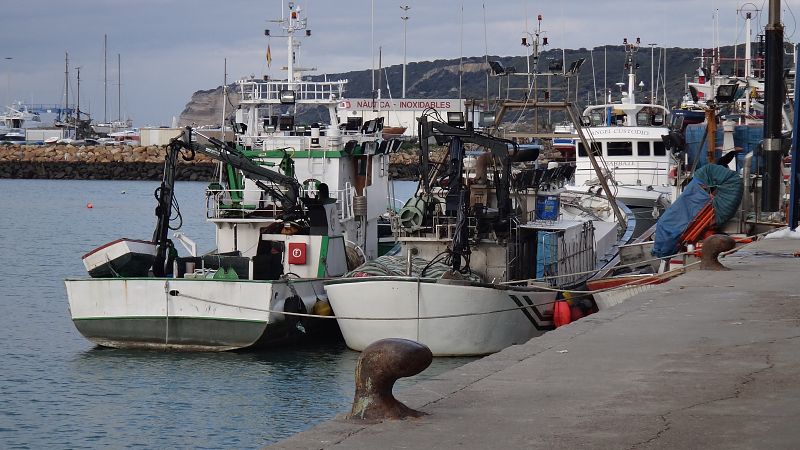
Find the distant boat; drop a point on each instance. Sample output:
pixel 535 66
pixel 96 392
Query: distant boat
pixel 112 127
pixel 130 137
pixel 16 117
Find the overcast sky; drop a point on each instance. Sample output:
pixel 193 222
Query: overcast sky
pixel 170 49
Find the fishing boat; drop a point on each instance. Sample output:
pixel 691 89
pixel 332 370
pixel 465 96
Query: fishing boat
pixel 626 136
pixel 293 205
pixel 484 252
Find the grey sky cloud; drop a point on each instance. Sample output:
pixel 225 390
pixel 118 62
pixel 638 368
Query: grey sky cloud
pixel 171 48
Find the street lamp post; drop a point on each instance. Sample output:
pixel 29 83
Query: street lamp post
pixel 405 9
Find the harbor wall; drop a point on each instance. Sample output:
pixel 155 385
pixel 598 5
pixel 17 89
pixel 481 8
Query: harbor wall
pixel 127 163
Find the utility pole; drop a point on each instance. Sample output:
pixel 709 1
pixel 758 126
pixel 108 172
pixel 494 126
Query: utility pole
pixel 405 9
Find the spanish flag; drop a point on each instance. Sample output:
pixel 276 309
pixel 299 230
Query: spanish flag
pixel 269 56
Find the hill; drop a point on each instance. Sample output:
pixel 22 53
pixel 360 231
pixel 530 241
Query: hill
pixel 440 79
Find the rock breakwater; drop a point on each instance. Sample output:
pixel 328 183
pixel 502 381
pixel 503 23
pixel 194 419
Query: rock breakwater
pixel 126 163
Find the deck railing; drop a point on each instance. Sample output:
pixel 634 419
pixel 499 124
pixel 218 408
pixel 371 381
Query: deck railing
pixel 259 91
pixel 255 203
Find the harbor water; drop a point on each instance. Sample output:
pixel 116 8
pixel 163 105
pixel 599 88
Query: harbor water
pixel 57 390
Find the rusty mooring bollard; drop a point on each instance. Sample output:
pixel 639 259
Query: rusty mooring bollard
pixel 712 247
pixel 378 367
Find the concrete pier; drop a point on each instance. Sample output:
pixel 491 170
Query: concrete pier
pixel 707 360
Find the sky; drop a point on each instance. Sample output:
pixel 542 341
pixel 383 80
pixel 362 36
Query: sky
pixel 169 48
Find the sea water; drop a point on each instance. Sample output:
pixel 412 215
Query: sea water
pixel 57 390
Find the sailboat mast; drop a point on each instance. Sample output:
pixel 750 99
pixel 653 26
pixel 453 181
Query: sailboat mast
pixel 66 81
pixel 78 104
pixel 105 78
pixel 119 88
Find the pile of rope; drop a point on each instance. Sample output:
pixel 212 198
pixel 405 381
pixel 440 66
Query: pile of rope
pixel 398 267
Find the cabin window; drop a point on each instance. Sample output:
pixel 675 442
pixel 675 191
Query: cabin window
pixel 619 149
pixel 658 148
pixel 582 149
pixel 597 119
pixel 643 119
pixel 643 149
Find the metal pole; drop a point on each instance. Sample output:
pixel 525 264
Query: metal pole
pixel 105 78
pixel 773 107
pixel 224 96
pixel 8 80
pixel 794 186
pixel 78 105
pixel 372 43
pixel 405 8
pixel 652 71
pixel 119 88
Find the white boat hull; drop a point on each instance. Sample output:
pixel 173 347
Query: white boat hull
pixel 188 314
pixel 123 257
pixel 481 318
pixel 613 297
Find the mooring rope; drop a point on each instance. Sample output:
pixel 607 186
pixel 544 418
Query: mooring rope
pixel 316 316
pixel 656 278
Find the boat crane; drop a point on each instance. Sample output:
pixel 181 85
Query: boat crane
pixel 186 148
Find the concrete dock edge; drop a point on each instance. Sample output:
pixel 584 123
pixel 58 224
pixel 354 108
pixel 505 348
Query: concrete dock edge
pixel 707 360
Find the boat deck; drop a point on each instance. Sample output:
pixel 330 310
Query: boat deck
pixel 707 360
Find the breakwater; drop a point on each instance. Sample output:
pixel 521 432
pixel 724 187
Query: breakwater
pixel 127 163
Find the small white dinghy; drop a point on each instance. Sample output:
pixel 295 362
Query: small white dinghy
pixel 121 258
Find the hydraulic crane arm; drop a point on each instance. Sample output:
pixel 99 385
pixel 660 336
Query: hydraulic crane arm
pixel 220 152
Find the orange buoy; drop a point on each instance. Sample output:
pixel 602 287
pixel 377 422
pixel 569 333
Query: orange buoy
pixel 561 313
pixel 89 205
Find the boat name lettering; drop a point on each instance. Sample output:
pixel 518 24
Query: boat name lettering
pixel 621 130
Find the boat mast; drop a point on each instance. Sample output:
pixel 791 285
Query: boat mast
pixel 119 89
pixel 66 84
pixel 630 64
pixel 290 45
pixel 224 97
pixel 78 104
pixel 105 78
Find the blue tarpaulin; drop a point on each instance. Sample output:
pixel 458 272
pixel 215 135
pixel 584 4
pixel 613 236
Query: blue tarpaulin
pixel 677 217
pixel 726 186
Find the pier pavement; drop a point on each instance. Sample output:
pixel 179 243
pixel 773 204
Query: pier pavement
pixel 707 360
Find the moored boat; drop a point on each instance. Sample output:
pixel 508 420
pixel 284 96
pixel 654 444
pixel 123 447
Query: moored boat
pixel 487 252
pixel 123 257
pixel 277 237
